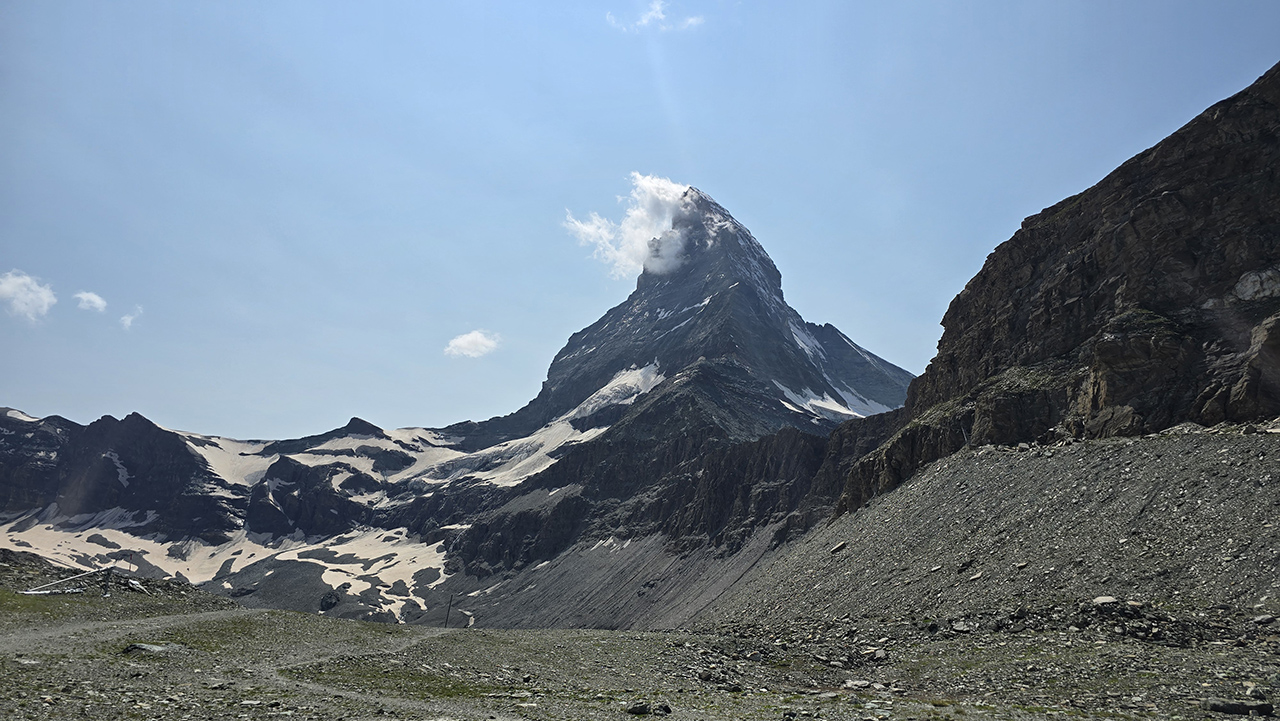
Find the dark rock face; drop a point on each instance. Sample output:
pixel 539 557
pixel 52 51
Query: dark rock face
pixel 1150 299
pixel 130 464
pixel 297 497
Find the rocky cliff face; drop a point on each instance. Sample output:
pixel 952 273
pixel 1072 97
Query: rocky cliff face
pixel 128 473
pixel 1150 299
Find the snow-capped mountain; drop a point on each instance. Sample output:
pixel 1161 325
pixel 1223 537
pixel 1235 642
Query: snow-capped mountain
pixel 722 304
pixel 363 521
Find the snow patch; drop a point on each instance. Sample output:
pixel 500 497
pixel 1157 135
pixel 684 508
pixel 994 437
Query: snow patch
pixel 850 405
pixel 236 462
pixel 622 389
pixel 807 342
pixel 20 416
pixel 122 473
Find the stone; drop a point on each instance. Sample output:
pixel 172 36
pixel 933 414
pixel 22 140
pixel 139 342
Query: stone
pixel 1105 601
pixel 146 648
pixel 1239 708
pixel 839 547
pixel 1264 619
pixel 639 708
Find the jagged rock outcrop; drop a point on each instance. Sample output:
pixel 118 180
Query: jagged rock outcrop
pixel 1150 299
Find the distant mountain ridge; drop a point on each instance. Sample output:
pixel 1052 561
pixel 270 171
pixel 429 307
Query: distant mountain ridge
pixel 699 358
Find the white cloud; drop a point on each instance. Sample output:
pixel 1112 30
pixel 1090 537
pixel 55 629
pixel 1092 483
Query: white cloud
pixel 644 240
pixel 25 295
pixel 654 17
pixel 473 344
pixel 90 301
pixel 126 321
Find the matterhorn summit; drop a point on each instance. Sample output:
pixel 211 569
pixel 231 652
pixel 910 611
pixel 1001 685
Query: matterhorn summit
pixel 708 308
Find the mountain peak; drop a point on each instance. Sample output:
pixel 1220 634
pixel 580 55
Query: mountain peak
pixel 709 293
pixel 707 247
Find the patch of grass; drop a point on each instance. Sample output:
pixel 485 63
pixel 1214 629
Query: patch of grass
pixel 372 675
pixel 12 603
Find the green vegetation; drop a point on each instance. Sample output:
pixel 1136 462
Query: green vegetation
pixel 371 675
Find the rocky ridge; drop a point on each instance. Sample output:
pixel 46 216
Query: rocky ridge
pixel 1150 299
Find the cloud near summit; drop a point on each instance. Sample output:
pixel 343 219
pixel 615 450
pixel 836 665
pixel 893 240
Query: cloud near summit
pixel 655 17
pixel 644 240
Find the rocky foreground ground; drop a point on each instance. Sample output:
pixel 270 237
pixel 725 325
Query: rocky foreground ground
pixel 1128 578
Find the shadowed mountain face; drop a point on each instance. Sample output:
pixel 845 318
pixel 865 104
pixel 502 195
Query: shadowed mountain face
pixel 1150 299
pixel 646 429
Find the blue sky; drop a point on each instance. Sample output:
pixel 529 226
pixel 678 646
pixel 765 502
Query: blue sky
pixel 301 204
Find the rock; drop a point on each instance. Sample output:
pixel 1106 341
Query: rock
pixel 147 648
pixel 1105 601
pixel 639 708
pixel 661 709
pixel 330 599
pixel 839 547
pixel 1264 619
pixel 1239 708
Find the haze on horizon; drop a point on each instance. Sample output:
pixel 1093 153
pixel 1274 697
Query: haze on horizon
pixel 258 220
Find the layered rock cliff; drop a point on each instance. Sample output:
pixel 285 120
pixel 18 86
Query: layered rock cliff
pixel 1149 299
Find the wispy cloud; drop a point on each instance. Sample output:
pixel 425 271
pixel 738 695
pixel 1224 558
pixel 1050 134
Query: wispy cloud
pixel 473 344
pixel 645 239
pixel 26 296
pixel 654 17
pixel 126 321
pixel 90 301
